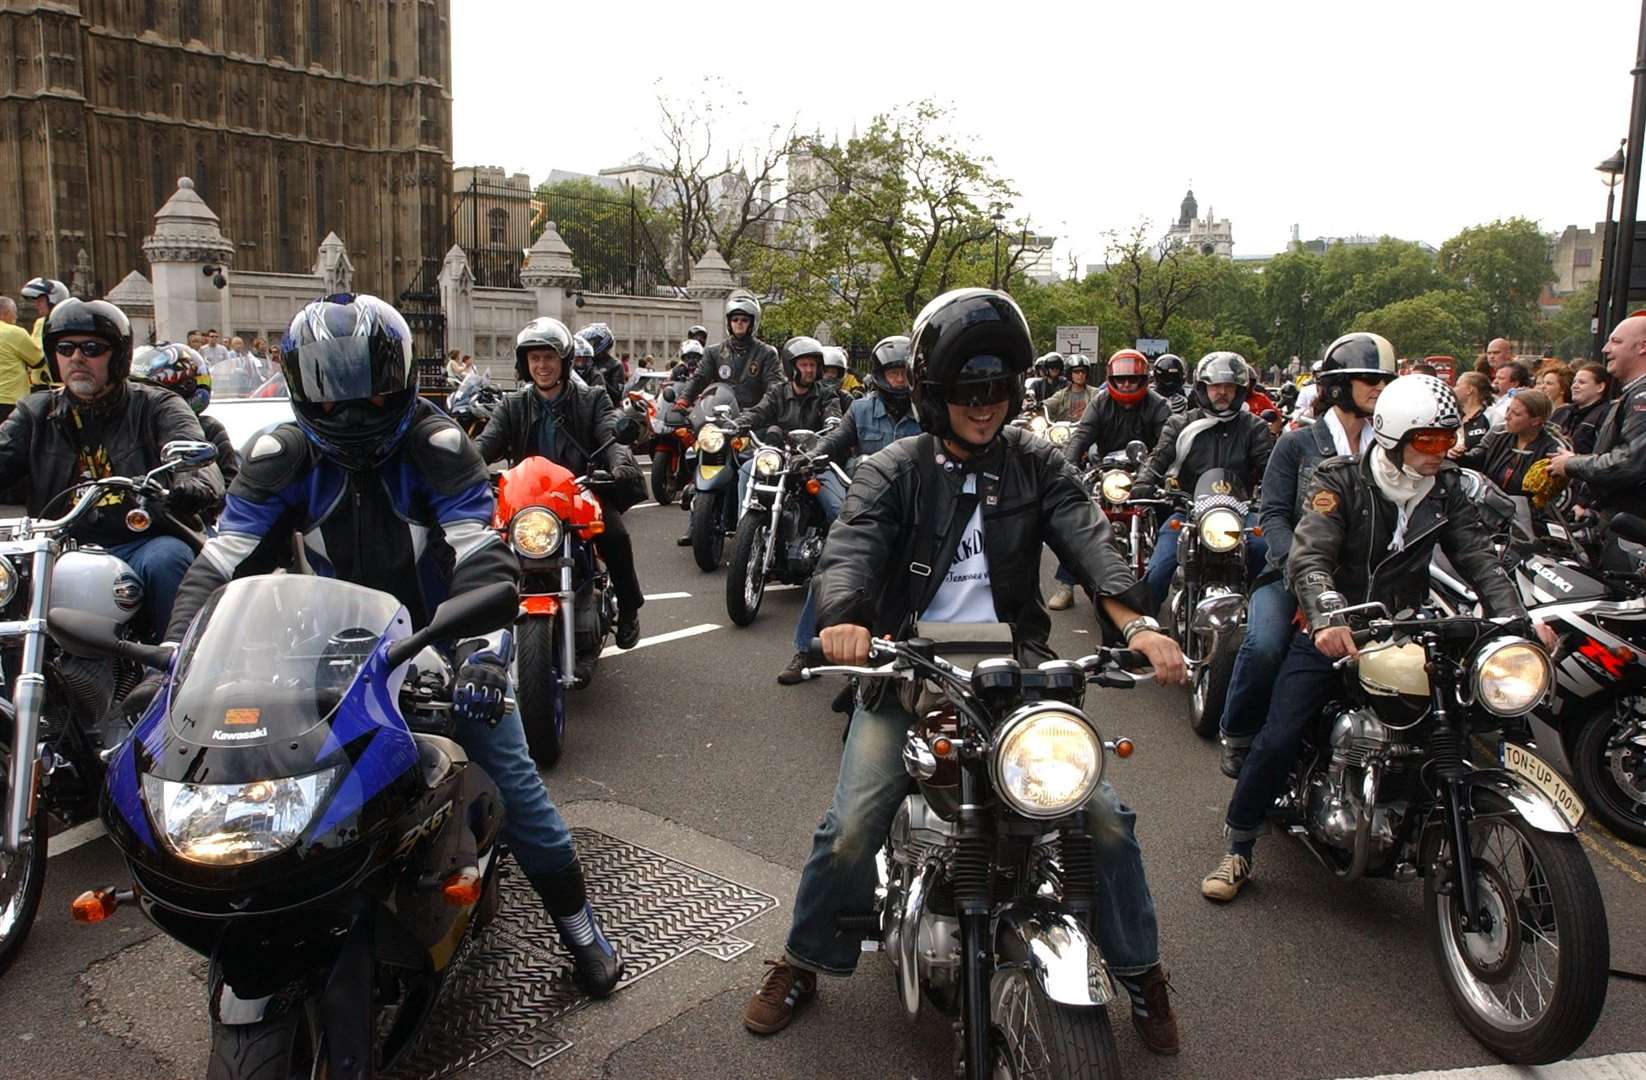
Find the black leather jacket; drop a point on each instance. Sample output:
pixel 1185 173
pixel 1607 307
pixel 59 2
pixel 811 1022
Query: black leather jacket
pixel 1241 445
pixel 584 418
pixel 1029 496
pixel 1580 425
pixel 610 370
pixel 751 368
pixel 1107 425
pixel 1505 464
pixel 789 410
pixel 1615 474
pixel 1341 544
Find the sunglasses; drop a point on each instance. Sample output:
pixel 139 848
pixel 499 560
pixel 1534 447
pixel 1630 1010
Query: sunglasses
pixel 1129 382
pixel 1433 440
pixel 91 350
pixel 983 392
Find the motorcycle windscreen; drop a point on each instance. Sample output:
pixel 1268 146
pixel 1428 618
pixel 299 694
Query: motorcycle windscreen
pixel 271 657
pixel 1219 487
pixel 716 395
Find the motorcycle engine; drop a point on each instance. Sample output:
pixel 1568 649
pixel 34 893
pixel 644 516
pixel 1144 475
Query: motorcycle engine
pixel 1337 796
pixel 918 834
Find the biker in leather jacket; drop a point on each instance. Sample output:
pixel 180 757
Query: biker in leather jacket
pixel 604 364
pixel 1123 409
pixel 742 361
pixel 1614 476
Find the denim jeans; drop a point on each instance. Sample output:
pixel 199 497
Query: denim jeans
pixel 840 877
pixel 160 563
pixel 532 827
pixel 1163 562
pixel 830 496
pixel 1269 632
pixel 1304 685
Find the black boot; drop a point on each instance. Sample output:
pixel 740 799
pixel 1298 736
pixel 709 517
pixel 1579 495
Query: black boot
pixel 628 628
pixel 597 965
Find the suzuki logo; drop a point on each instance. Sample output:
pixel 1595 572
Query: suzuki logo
pixel 1552 578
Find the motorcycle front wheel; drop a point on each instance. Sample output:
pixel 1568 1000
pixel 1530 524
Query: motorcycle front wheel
pixel 1210 691
pixel 1609 766
pixel 708 542
pixel 1035 1036
pixel 540 688
pixel 1530 987
pixel 284 1048
pixel 22 878
pixel 664 488
pixel 746 576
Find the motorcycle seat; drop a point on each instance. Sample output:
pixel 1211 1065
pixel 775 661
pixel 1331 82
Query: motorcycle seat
pixel 437 756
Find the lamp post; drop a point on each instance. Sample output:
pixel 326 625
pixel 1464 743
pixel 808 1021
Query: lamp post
pixel 997 217
pixel 1611 171
pixel 1623 248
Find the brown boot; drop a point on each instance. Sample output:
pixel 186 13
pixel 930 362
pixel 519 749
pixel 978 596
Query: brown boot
pixel 783 990
pixel 1152 1014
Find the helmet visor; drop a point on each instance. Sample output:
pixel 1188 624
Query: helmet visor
pixel 336 369
pixel 983 380
pixel 1432 440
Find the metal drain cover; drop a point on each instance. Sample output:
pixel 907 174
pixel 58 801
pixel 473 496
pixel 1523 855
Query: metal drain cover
pixel 515 979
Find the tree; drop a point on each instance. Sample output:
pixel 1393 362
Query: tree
pixel 1417 327
pixel 597 223
pixel 1292 304
pixel 1504 266
pixel 1151 282
pixel 1362 277
pixel 1568 331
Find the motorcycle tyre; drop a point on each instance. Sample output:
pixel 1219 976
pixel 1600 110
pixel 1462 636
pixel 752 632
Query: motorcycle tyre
pixel 539 694
pixel 664 488
pixel 1214 694
pixel 276 1049
pixel 708 543
pixel 1585 947
pixel 1594 780
pixel 34 884
pixel 1081 1040
pixel 749 531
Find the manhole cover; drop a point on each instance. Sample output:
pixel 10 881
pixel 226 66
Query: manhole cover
pixel 516 979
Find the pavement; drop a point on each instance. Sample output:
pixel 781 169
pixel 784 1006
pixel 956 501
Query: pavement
pixel 688 748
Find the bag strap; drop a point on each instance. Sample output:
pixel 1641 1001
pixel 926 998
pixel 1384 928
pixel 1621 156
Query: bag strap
pixel 931 552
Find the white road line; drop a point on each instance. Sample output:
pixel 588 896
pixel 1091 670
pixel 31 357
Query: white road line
pixel 667 595
pixel 1610 1067
pixel 642 506
pixel 69 839
pixel 672 635
pixel 780 587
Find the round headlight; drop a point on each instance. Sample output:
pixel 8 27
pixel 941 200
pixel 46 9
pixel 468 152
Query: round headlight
pixel 1117 485
pixel 535 532
pixel 1038 425
pixel 1511 676
pixel 1061 433
pixel 1047 760
pixel 767 462
pixel 1220 530
pixel 711 439
pixel 8 581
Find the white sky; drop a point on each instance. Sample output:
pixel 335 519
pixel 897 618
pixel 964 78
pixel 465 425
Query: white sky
pixel 1407 118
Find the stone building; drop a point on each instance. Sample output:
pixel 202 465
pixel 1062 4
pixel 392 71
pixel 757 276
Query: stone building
pixel 492 217
pixel 1577 255
pixel 1203 234
pixel 295 119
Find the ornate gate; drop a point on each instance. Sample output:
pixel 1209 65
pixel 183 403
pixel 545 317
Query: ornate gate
pixel 420 304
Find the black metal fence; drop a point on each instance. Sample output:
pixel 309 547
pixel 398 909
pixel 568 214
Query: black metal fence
pixel 420 305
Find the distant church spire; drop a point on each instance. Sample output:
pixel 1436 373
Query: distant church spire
pixel 1186 212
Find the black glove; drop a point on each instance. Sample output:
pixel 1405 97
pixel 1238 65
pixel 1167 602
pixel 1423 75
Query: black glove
pixel 143 694
pixel 483 685
pixel 601 478
pixel 1145 491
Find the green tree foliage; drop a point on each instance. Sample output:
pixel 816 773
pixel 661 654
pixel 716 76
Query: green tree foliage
pixel 1418 326
pixel 598 224
pixel 1567 331
pixel 1503 266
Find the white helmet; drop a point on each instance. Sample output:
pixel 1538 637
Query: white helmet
pixel 1414 403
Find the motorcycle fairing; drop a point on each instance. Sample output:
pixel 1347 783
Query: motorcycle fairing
pixel 1063 958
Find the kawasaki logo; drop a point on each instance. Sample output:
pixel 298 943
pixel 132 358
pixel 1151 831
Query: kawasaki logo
pixel 239 736
pixel 1553 578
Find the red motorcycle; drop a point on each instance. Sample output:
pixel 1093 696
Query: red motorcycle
pixel 672 441
pixel 1132 523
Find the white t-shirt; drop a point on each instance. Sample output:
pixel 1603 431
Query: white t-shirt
pixel 964 595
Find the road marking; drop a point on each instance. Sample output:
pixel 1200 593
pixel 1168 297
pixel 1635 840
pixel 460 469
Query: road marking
pixel 1609 1067
pixel 642 506
pixel 69 839
pixel 672 635
pixel 667 595
pixel 782 588
pixel 1622 844
pixel 1606 853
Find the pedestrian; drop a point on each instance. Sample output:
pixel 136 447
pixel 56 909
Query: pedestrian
pixel 260 350
pixel 458 365
pixel 22 363
pixel 213 351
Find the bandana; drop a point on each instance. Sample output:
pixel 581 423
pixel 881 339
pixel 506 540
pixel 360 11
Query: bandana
pixel 1402 487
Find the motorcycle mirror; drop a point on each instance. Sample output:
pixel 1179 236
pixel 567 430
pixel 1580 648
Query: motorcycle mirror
pixel 626 431
pixel 477 612
pixel 831 423
pixel 85 634
pixel 1630 527
pixel 189 453
pixel 1136 449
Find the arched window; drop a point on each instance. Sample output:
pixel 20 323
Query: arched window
pixel 497 219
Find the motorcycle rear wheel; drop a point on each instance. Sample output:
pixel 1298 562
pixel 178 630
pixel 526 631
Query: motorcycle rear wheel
pixel 284 1048
pixel 746 576
pixel 1611 778
pixel 540 688
pixel 1537 886
pixel 1210 691
pixel 1035 1037
pixel 22 879
pixel 708 542
pixel 664 488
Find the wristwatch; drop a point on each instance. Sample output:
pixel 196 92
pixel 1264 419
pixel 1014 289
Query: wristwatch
pixel 1137 626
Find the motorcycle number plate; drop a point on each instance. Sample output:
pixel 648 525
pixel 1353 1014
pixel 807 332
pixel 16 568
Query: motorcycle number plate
pixel 711 471
pixel 1527 765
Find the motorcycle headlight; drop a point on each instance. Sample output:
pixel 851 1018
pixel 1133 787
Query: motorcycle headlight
pixel 711 439
pixel 1220 530
pixel 1047 760
pixel 1511 675
pixel 1038 425
pixel 536 532
pixel 1117 486
pixel 229 824
pixel 8 581
pixel 1060 433
pixel 768 462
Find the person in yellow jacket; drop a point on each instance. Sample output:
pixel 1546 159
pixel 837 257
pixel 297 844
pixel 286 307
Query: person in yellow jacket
pixel 22 361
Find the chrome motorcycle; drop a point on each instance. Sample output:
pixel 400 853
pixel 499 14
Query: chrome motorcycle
pixel 781 529
pixel 1131 523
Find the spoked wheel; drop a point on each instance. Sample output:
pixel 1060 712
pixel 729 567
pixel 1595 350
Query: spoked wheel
pixel 287 1047
pixel 1211 686
pixel 1610 769
pixel 540 688
pixel 746 577
pixel 1035 1038
pixel 708 542
pixel 1530 986
pixel 22 878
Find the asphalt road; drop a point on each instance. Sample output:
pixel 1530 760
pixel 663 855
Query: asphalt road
pixel 688 747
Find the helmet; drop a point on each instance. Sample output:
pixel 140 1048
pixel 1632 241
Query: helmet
pixel 700 334
pixel 97 317
pixel 1220 367
pixel 599 336
pixel 1049 361
pixel 53 290
pixel 797 347
pixel 176 367
pixel 1413 403
pixel 1170 373
pixel 340 351
pixel 1129 363
pixel 1354 356
pixel 582 352
pixel 1288 395
pixel 834 357
pixel 1080 362
pixel 691 350
pixel 542 333
pixel 743 303
pixel 968 338
pixel 889 352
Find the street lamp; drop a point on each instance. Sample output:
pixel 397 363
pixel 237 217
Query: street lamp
pixel 1611 171
pixel 997 217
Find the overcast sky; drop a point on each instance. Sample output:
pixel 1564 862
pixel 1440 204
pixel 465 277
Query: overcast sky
pixel 1412 119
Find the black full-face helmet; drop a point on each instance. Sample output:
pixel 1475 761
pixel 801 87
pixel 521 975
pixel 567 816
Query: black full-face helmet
pixel 699 334
pixel 542 333
pixel 889 352
pixel 98 318
pixel 337 355
pixel 1170 373
pixel 971 347
pixel 1358 355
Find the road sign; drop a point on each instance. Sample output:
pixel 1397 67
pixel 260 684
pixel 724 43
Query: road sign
pixel 1077 339
pixel 1153 346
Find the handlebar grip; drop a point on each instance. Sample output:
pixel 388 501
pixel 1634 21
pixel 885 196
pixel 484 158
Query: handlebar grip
pixel 1131 660
pixel 1365 637
pixel 814 652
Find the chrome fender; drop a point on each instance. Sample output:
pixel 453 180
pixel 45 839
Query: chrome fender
pixel 1540 811
pixel 1063 959
pixel 1219 612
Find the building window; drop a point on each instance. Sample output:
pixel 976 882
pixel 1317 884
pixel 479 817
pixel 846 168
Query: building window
pixel 1583 257
pixel 497 219
pixel 279 30
pixel 317 31
pixel 191 20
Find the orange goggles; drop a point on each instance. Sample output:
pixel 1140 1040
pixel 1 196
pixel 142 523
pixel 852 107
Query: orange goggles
pixel 1433 440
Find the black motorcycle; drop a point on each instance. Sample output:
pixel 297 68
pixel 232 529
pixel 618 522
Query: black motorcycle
pixel 1131 523
pixel 291 806
pixel 720 452
pixel 780 533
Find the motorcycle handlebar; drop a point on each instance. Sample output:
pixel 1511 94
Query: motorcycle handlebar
pixel 1106 667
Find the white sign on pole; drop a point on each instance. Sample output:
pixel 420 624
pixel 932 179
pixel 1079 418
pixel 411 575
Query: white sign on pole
pixel 1077 339
pixel 1153 346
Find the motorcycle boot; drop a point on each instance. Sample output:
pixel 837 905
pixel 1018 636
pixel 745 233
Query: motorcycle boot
pixel 1233 755
pixel 628 628
pixel 597 965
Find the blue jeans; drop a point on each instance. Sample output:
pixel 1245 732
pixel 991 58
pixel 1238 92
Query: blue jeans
pixel 1304 685
pixel 532 827
pixel 160 563
pixel 832 494
pixel 1163 562
pixel 1269 632
pixel 840 877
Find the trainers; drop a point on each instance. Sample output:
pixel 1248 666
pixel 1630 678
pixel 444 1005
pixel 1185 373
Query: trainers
pixel 791 675
pixel 1232 759
pixel 1224 883
pixel 1152 1014
pixel 1062 598
pixel 783 990
pixel 628 629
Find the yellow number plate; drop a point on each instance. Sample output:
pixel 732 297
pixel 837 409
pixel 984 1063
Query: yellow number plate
pixel 710 471
pixel 1522 762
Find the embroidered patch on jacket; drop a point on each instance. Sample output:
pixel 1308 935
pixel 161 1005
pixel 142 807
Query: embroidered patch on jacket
pixel 1323 502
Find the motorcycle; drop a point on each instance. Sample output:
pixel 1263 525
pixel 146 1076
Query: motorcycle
pixel 473 402
pixel 292 806
pixel 720 451
pixel 1034 418
pixel 1515 921
pixel 672 439
pixel 987 876
pixel 62 717
pixel 1133 524
pixel 781 530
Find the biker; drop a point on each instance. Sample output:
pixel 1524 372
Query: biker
pixel 794 405
pixel 742 361
pixel 1070 402
pixel 390 494
pixel 993 495
pixel 1218 433
pixel 837 376
pixel 1614 476
pixel 691 355
pixel 608 367
pixel 552 416
pixel 1368 530
pixel 1049 378
pixel 1351 374
pixel 46 293
pixel 872 423
pixel 95 424
pixel 699 334
pixel 1170 373
pixel 176 367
